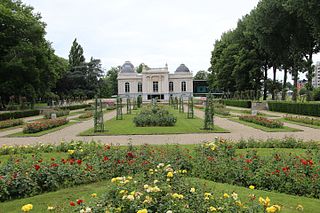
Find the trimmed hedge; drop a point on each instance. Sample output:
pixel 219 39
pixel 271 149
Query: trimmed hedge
pixel 19 114
pixel 312 109
pixel 74 107
pixel 237 103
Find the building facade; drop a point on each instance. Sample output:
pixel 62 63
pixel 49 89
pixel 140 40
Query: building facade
pixel 316 78
pixel 154 82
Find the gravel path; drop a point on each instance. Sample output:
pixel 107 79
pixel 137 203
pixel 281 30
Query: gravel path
pixel 238 131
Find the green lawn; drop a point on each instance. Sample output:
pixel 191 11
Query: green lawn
pixel 248 112
pixel 265 129
pixel 300 123
pixel 127 127
pixel 38 134
pixel 60 199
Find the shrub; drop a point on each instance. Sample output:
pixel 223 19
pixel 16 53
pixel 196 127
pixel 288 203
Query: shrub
pixel 316 94
pixel 74 107
pixel 237 103
pixel 18 114
pixel 86 115
pixel 10 123
pixel 261 121
pixel 305 120
pixel 154 116
pixel 59 113
pixel 312 109
pixel 39 126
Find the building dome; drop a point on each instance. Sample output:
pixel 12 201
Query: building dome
pixel 182 68
pixel 127 67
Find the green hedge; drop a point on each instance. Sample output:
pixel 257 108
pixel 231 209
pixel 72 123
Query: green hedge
pixel 312 109
pixel 237 103
pixel 74 107
pixel 18 114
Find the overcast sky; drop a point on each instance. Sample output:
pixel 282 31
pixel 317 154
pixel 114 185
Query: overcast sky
pixel 151 31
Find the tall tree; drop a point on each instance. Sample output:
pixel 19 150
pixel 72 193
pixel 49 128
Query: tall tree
pixel 201 75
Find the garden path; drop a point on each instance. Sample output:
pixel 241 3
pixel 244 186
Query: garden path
pixel 238 131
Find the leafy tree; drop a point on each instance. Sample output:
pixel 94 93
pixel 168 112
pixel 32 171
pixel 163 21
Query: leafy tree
pixel 110 83
pixel 141 66
pixel 201 75
pixel 28 65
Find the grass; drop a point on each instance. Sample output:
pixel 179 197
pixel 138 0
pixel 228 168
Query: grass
pixel 38 134
pixel 263 128
pixel 127 127
pixel 300 123
pixel 60 199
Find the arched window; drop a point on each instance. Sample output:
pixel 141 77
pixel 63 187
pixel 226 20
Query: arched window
pixel 139 87
pixel 127 87
pixel 170 86
pixel 183 86
pixel 155 86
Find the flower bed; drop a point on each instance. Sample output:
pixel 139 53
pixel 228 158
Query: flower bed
pixel 154 116
pixel 261 121
pixel 10 123
pixel 305 120
pixel 59 113
pixel 218 161
pixel 39 126
pixel 86 115
pixel 163 189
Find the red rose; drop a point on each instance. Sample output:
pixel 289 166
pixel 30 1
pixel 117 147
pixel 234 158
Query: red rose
pixel 37 167
pixel 304 162
pixel 130 155
pixel 72 203
pixel 40 160
pixel 105 158
pixel 79 201
pixel 79 161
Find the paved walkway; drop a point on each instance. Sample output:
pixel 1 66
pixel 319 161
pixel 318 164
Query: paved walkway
pixel 238 131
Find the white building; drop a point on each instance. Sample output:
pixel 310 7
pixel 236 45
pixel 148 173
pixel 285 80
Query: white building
pixel 316 78
pixel 154 82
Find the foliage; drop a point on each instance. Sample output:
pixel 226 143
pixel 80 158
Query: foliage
pixel 10 123
pixel 312 109
pixel 86 115
pixel 154 116
pixel 316 94
pixel 261 121
pixel 110 83
pixel 39 126
pixel 28 66
pixel 139 101
pixel 201 75
pixel 18 114
pixel 237 103
pixel 305 120
pixel 75 107
pixel 59 113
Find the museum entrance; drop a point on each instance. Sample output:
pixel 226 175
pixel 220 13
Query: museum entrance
pixel 158 96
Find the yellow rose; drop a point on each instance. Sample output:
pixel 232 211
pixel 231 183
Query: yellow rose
pixel 170 175
pixel 142 211
pixel 192 190
pixel 70 151
pixel 27 208
pixel 251 187
pixel 50 208
pixel 94 195
pixel 225 195
pixel 213 209
pixel 299 208
pixel 271 209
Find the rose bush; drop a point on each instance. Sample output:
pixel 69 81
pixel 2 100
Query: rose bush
pixel 305 120
pixel 39 126
pixel 154 116
pixel 10 123
pixel 261 121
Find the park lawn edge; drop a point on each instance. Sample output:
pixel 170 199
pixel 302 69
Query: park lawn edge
pixel 38 134
pixel 90 132
pixel 265 115
pixel 266 129
pixel 61 198
pixel 300 123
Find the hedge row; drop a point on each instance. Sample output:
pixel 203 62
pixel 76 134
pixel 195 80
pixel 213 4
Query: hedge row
pixel 237 103
pixel 74 107
pixel 312 109
pixel 19 114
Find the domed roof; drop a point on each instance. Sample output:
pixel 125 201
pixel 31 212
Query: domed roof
pixel 182 68
pixel 127 67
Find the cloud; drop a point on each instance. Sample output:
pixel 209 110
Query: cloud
pixel 149 31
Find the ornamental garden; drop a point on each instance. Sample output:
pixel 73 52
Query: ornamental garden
pixel 71 141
